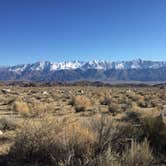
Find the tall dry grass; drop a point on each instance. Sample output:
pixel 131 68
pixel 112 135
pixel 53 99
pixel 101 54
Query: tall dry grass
pixel 139 154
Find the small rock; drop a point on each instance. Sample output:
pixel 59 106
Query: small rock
pixel 45 93
pixel 5 91
pixel 1 132
pixel 81 91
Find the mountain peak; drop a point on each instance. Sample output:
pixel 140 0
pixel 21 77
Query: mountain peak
pixel 94 64
pixel 102 70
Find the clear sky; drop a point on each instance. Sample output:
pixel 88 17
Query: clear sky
pixel 64 30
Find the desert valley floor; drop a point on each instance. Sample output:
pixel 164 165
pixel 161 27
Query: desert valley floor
pixel 82 125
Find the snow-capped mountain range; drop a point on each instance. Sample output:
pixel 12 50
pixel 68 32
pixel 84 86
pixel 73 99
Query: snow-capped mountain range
pixel 98 65
pixel 106 71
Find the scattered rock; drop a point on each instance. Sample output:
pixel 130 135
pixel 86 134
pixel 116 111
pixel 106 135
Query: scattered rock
pixel 1 132
pixel 5 91
pixel 80 92
pixel 45 93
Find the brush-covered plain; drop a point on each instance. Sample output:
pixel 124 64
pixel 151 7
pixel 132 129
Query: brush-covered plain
pixel 82 126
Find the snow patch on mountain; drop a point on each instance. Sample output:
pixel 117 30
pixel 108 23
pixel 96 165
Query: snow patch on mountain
pixel 99 65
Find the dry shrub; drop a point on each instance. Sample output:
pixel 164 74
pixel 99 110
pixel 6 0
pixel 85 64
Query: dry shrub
pixel 134 96
pixel 126 106
pixel 50 142
pixel 141 103
pixel 81 103
pixel 33 109
pixel 106 100
pixel 132 116
pixel 138 155
pixel 39 109
pixel 113 108
pixel 120 139
pixel 7 123
pixel 71 142
pixel 152 128
pixel 22 108
pixel 155 130
pixel 79 142
pixel 112 134
pixel 35 143
pixel 104 129
pixel 147 103
pixel 107 158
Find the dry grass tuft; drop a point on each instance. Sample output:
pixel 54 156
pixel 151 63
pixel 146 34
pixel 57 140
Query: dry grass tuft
pixel 81 103
pixel 39 109
pixel 22 108
pixel 138 155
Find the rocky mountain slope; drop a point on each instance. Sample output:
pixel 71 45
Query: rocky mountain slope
pixel 136 70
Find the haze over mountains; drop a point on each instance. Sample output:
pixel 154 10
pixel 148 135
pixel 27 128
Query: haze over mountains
pixel 106 71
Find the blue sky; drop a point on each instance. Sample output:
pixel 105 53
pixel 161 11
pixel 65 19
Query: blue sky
pixel 64 30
